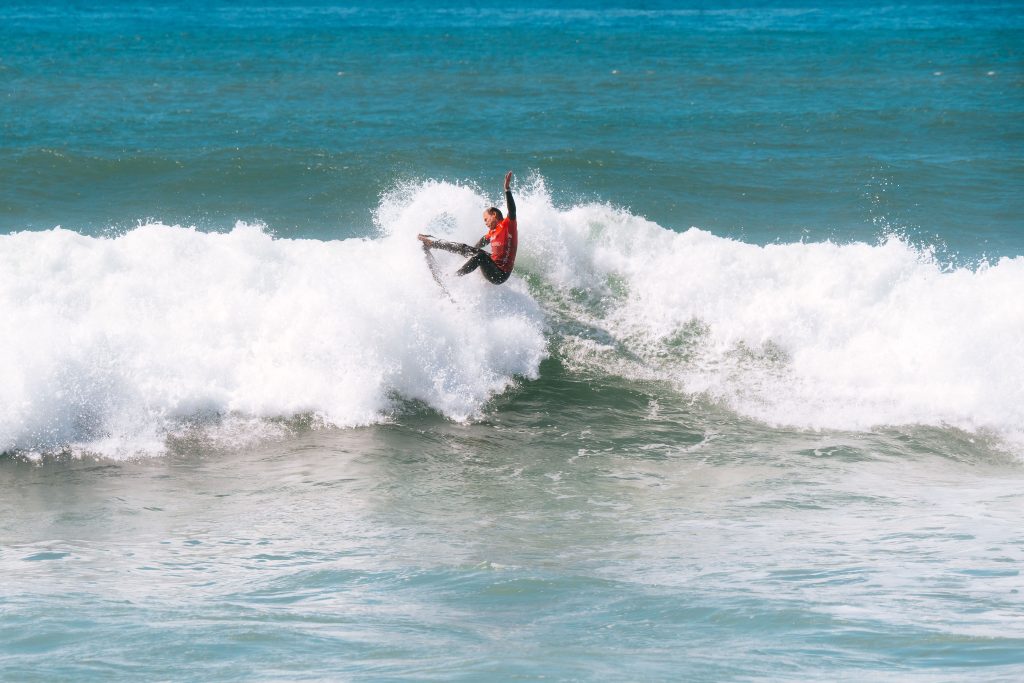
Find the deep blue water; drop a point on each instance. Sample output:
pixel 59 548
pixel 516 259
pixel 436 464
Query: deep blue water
pixel 762 121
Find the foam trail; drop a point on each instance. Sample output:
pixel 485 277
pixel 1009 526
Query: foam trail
pixel 112 342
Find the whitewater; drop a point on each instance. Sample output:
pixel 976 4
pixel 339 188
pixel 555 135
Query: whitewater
pixel 116 343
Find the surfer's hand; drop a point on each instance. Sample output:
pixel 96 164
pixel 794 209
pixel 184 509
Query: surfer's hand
pixel 508 181
pixel 427 242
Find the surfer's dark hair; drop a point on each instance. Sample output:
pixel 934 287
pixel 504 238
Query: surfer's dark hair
pixel 495 211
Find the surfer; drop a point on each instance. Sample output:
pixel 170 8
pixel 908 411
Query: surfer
pixel 502 235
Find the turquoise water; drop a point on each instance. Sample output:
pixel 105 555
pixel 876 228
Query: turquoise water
pixel 807 120
pixel 751 406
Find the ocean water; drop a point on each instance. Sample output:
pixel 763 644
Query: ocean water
pixel 750 408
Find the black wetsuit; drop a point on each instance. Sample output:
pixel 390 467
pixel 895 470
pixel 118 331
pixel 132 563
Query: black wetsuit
pixel 478 258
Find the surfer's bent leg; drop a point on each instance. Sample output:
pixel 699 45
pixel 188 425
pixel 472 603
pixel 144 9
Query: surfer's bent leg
pixel 478 258
pixel 488 268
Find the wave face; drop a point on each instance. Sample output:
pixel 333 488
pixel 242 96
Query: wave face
pixel 116 343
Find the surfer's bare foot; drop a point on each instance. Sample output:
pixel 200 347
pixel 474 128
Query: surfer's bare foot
pixel 427 242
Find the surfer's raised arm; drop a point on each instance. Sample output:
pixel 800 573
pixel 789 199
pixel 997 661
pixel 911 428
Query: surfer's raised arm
pixel 509 202
pixel 510 210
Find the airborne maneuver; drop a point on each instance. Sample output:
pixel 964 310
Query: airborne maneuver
pixel 502 235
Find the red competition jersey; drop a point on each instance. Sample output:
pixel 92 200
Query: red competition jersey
pixel 504 239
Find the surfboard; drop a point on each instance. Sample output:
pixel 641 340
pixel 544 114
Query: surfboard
pixel 435 271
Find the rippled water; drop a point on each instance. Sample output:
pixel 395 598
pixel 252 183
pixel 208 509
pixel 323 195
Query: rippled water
pixel 517 547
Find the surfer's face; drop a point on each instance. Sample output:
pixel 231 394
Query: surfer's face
pixel 490 220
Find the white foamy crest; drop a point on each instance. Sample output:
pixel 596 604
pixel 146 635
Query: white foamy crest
pixel 814 335
pixel 112 342
pixel 116 343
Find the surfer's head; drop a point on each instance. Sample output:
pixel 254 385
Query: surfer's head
pixel 492 217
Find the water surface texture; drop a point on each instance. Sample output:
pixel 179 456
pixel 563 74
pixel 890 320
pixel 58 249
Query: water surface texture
pixel 751 406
